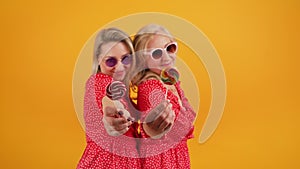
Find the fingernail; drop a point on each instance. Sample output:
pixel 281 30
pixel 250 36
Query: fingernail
pixel 120 113
pixel 129 119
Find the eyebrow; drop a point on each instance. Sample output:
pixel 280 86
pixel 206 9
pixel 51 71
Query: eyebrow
pixel 164 45
pixel 106 57
pixel 168 43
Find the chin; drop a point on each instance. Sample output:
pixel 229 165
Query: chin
pixel 119 78
pixel 156 70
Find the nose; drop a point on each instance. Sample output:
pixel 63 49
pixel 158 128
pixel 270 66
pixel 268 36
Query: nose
pixel 119 67
pixel 165 56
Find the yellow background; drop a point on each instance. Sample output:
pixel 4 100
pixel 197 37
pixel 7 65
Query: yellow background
pixel 258 43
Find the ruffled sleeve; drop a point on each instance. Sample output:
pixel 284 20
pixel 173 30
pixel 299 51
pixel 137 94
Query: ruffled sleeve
pixel 93 114
pixel 152 92
pixel 101 83
pixel 187 110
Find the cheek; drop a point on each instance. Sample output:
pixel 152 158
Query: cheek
pixel 127 66
pixel 156 70
pixel 151 63
pixel 105 69
pixel 154 67
pixel 173 57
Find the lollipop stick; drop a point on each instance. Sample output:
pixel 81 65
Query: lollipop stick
pixel 166 94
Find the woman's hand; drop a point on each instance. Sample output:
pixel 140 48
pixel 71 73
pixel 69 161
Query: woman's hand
pixel 116 118
pixel 159 120
pixel 115 122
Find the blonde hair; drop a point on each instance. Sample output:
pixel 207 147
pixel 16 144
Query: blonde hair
pixel 140 44
pixel 111 35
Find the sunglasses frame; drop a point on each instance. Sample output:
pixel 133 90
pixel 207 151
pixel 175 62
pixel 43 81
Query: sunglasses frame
pixel 163 49
pixel 122 59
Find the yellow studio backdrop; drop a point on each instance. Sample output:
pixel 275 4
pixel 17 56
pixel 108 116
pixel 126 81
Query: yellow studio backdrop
pixel 258 44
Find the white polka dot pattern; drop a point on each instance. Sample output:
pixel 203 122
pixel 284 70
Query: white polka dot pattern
pixel 104 151
pixel 133 150
pixel 171 151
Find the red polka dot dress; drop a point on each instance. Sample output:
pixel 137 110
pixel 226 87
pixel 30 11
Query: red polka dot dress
pixel 170 151
pixel 102 150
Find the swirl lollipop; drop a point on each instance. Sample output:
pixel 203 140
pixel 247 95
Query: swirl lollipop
pixel 169 76
pixel 115 90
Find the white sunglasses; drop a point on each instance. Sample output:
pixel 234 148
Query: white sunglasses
pixel 157 53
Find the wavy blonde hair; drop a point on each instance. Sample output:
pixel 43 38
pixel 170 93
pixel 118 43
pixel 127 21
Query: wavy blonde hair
pixel 112 35
pixel 140 44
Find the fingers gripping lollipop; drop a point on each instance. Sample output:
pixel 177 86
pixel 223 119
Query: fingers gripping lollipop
pixel 169 76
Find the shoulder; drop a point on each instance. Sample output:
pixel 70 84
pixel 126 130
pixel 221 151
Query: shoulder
pixel 151 91
pixel 103 78
pixel 147 75
pixel 151 83
pixel 98 80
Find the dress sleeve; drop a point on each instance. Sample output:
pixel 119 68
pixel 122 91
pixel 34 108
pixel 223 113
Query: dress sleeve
pixel 93 108
pixel 187 110
pixel 93 114
pixel 150 94
pixel 101 82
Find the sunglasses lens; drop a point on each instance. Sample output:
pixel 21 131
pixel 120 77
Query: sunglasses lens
pixel 172 48
pixel 157 53
pixel 111 62
pixel 127 59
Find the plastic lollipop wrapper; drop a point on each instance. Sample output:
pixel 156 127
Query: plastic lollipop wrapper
pixel 115 90
pixel 169 76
